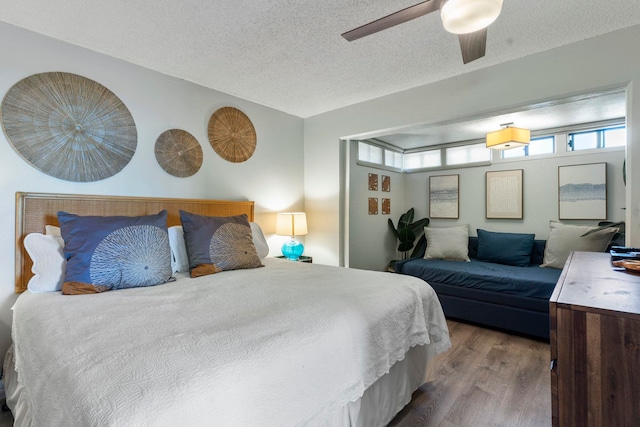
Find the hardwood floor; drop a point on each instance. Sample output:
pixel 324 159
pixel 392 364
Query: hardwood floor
pixel 487 378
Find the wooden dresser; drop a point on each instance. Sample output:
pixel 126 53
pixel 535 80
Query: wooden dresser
pixel 595 344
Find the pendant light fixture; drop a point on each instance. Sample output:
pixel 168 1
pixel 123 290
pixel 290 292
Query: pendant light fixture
pixel 508 137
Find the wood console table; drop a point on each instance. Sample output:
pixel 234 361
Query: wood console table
pixel 595 344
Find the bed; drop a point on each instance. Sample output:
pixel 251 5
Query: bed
pixel 284 343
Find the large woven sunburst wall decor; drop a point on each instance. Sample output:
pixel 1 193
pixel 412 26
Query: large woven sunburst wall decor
pixel 68 126
pixel 178 153
pixel 232 134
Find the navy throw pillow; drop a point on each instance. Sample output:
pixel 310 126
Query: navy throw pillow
pixel 115 252
pixel 218 243
pixel 505 248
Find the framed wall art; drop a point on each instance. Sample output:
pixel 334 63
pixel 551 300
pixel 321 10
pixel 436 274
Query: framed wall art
pixel 386 183
pixel 504 194
pixel 373 206
pixel 444 196
pixel 386 206
pixel 582 191
pixel 373 182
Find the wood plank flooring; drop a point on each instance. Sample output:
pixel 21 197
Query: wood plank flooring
pixel 487 378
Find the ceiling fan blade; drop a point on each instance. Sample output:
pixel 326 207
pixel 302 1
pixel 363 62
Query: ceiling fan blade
pixel 392 20
pixel 473 45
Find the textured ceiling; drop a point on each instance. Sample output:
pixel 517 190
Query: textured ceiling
pixel 289 55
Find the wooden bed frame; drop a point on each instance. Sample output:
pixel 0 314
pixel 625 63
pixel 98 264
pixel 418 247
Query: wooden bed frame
pixel 36 210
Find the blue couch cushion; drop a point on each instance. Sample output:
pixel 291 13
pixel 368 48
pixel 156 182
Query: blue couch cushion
pixel 532 281
pixel 505 248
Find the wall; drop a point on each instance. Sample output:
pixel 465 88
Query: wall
pixel 273 177
pixel 540 193
pixel 372 246
pixel 582 67
pixel 633 159
pixel 371 243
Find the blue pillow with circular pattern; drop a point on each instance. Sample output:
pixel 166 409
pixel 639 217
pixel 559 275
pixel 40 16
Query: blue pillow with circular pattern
pixel 218 243
pixel 115 252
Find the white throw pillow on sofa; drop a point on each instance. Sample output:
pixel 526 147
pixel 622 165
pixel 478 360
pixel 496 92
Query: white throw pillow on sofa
pixel 564 238
pixel 449 243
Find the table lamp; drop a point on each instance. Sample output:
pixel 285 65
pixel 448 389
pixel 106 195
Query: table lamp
pixel 292 224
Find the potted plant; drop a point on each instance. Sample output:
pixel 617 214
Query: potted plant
pixel 407 232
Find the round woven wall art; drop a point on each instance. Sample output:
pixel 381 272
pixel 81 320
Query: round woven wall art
pixel 232 134
pixel 68 126
pixel 178 152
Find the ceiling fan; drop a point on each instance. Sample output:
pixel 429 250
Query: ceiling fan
pixel 467 18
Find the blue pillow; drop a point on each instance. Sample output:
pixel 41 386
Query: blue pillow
pixel 114 252
pixel 217 244
pixel 505 248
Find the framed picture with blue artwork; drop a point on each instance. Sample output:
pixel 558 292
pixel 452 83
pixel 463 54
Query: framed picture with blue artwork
pixel 582 191
pixel 444 196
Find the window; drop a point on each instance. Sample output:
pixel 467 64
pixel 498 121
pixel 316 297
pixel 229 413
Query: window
pixel 374 154
pixel 460 155
pixel 542 145
pixel 467 154
pixel 423 159
pixel 598 138
pixel 607 134
pixel 616 137
pixel 369 153
pixel 393 159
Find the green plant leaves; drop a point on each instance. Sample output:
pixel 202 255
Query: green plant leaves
pixel 407 230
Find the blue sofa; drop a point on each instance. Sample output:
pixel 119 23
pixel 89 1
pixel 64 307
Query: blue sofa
pixel 502 296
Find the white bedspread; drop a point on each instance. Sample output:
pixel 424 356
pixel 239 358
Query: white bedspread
pixel 282 345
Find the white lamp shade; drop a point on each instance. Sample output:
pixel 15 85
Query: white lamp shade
pixel 468 16
pixel 291 224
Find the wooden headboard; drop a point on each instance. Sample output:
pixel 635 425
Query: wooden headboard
pixel 35 210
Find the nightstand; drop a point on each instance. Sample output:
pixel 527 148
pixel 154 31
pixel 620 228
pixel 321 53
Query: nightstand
pixel 302 258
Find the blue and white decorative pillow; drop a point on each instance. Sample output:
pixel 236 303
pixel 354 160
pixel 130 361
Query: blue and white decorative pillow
pixel 116 252
pixel 217 244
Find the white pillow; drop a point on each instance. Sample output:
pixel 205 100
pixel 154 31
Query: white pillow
pixel 565 238
pixel 49 263
pixel 259 241
pixel 450 243
pixel 52 230
pixel 179 257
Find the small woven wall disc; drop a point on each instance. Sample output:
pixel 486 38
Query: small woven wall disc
pixel 178 152
pixel 68 126
pixel 232 134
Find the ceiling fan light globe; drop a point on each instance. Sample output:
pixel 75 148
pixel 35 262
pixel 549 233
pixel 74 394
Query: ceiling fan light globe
pixel 468 16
